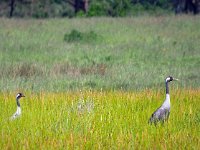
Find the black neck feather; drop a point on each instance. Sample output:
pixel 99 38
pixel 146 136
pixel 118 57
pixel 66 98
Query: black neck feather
pixel 18 104
pixel 167 87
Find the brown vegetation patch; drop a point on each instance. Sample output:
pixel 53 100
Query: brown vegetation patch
pixel 94 69
pixel 65 68
pixel 21 70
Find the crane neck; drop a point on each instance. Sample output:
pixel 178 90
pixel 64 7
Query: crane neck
pixel 166 103
pixel 18 104
pixel 167 87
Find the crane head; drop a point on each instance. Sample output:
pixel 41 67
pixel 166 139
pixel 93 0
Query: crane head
pixel 170 78
pixel 19 95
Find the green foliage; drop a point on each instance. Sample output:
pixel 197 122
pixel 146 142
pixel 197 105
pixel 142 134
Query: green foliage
pixel 119 7
pixel 60 8
pixel 109 8
pixel 98 8
pixel 77 36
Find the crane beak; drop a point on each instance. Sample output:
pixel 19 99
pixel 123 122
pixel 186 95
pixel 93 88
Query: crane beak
pixel 175 79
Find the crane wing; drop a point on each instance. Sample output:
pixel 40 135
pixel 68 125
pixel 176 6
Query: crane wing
pixel 161 114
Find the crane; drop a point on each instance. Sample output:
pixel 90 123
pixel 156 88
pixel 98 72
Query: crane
pixel 18 112
pixel 162 113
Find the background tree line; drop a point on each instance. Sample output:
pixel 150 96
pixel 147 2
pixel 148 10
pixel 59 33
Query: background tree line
pixel 72 8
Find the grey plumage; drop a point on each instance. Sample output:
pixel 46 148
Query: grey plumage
pixel 162 113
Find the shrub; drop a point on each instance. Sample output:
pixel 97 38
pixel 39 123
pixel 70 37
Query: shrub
pixel 77 36
pixel 98 9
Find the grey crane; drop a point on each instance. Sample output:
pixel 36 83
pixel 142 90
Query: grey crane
pixel 162 113
pixel 18 112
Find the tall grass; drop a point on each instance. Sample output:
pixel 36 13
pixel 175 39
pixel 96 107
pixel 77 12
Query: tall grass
pixel 99 120
pixel 132 53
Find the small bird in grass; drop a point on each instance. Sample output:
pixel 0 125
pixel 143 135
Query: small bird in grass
pixel 162 113
pixel 18 112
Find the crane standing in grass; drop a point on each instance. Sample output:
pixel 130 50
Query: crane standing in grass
pixel 18 112
pixel 162 113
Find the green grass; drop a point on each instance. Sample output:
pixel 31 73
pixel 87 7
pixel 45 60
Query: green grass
pixel 132 53
pixel 114 120
pixel 121 74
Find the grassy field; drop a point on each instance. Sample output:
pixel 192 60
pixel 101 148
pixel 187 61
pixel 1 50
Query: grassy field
pixel 128 53
pixel 100 120
pixel 99 92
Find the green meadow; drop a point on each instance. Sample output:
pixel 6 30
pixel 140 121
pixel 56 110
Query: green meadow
pixel 93 83
pixel 127 53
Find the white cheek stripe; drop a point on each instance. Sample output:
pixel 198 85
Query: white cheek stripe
pixel 17 95
pixel 167 79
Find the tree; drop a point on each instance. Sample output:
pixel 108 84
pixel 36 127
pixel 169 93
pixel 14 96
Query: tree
pixel 186 6
pixel 191 6
pixel 79 5
pixel 12 6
